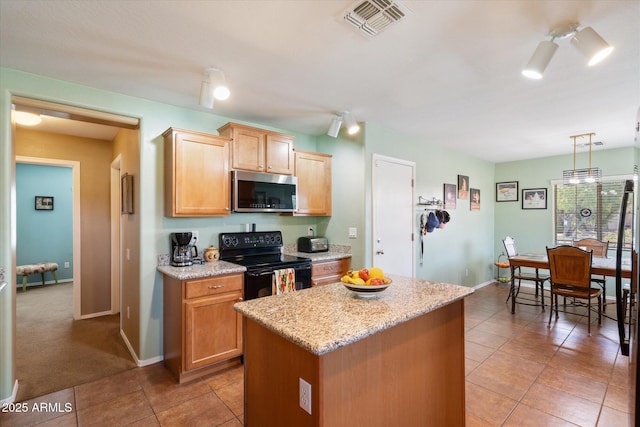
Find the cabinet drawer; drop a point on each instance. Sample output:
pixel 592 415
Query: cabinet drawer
pixel 213 285
pixel 330 267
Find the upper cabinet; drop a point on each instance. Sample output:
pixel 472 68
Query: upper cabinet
pixel 196 171
pixel 314 183
pixel 259 150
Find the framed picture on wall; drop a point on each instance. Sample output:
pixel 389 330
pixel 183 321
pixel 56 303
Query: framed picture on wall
pixel 534 198
pixel 507 191
pixel 475 199
pixel 44 203
pixel 463 187
pixel 126 193
pixel 449 196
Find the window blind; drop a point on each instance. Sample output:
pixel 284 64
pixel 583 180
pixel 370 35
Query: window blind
pixel 593 211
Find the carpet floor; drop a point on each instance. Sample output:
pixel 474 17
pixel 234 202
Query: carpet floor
pixel 55 352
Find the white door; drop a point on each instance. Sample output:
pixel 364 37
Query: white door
pixel 393 218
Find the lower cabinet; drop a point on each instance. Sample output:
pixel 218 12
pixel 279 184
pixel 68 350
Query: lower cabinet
pixel 202 332
pixel 325 272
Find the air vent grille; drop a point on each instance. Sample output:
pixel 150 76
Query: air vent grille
pixel 370 17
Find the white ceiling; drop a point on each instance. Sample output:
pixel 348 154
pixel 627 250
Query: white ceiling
pixel 448 74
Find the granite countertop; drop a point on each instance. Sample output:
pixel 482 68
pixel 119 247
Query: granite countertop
pixel 199 271
pixel 325 318
pixel 320 256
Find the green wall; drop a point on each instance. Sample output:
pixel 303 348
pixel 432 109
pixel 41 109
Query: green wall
pixel 43 235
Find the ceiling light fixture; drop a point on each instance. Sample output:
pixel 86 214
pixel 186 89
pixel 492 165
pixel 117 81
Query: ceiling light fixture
pixel 349 122
pixel 588 175
pixel 334 129
pixel 214 86
pixel 585 40
pixel 26 119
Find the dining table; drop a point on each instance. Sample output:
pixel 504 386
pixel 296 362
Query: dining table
pixel 539 260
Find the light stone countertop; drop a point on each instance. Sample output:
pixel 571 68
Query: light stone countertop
pixel 324 318
pixel 200 271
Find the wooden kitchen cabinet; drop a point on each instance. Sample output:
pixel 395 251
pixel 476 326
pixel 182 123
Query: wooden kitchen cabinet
pixel 326 272
pixel 196 170
pixel 313 171
pixel 202 332
pixel 259 150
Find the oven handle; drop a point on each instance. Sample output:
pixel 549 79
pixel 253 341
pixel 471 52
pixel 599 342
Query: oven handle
pixel 259 273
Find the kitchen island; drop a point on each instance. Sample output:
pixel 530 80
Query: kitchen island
pixel 397 359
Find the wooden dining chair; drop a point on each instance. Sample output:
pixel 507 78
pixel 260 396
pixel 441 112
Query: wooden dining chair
pixel 570 271
pixel 519 275
pixel 599 249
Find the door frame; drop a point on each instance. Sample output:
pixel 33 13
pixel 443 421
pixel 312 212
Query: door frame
pixel 116 236
pixel 378 158
pixel 77 250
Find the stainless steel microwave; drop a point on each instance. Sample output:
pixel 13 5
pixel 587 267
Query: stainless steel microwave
pixel 263 192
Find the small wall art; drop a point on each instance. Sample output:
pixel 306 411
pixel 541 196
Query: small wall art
pixel 507 191
pixel 475 199
pixel 534 198
pixel 44 203
pixel 463 187
pixel 449 196
pixel 126 194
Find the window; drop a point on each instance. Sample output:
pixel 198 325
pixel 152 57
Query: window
pixel 592 211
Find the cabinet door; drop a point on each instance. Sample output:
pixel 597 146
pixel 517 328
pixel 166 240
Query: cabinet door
pixel 279 154
pixel 314 183
pixel 213 330
pixel 197 175
pixel 248 150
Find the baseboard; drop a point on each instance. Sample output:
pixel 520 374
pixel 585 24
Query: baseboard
pixel 46 282
pixel 14 394
pixel 482 285
pixel 139 363
pixel 92 315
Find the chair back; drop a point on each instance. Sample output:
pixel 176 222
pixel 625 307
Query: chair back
pixel 598 247
pixel 510 247
pixel 569 266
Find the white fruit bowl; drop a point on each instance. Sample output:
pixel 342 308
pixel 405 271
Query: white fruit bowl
pixel 366 291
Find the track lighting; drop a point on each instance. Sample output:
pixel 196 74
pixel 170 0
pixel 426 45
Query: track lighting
pixel 349 122
pixel 334 129
pixel 214 86
pixel 585 40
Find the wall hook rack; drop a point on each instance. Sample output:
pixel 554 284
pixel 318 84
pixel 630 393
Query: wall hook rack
pixel 433 203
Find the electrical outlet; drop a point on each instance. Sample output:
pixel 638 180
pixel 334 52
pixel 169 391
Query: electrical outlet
pixel 305 396
pixel 310 232
pixel 194 238
pixel 66 264
pixel 353 232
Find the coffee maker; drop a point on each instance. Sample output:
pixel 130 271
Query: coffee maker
pixel 182 252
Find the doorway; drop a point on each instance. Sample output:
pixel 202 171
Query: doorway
pixel 393 215
pixel 83 128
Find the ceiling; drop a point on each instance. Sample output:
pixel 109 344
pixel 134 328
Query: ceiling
pixel 447 74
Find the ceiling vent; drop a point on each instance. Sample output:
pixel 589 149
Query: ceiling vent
pixel 371 17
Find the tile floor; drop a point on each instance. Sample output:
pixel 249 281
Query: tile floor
pixel 519 373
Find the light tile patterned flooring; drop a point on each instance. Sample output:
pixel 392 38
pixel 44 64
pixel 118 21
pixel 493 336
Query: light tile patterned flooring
pixel 519 373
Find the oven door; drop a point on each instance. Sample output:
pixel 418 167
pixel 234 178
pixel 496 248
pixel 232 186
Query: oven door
pixel 258 283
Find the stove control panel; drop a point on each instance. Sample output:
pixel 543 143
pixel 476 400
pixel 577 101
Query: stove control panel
pixel 257 239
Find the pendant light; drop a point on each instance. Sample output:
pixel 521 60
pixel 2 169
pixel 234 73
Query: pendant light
pixel 587 175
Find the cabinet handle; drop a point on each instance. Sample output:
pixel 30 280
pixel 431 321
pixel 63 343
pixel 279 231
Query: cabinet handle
pixel 261 166
pixel 270 167
pixel 216 286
